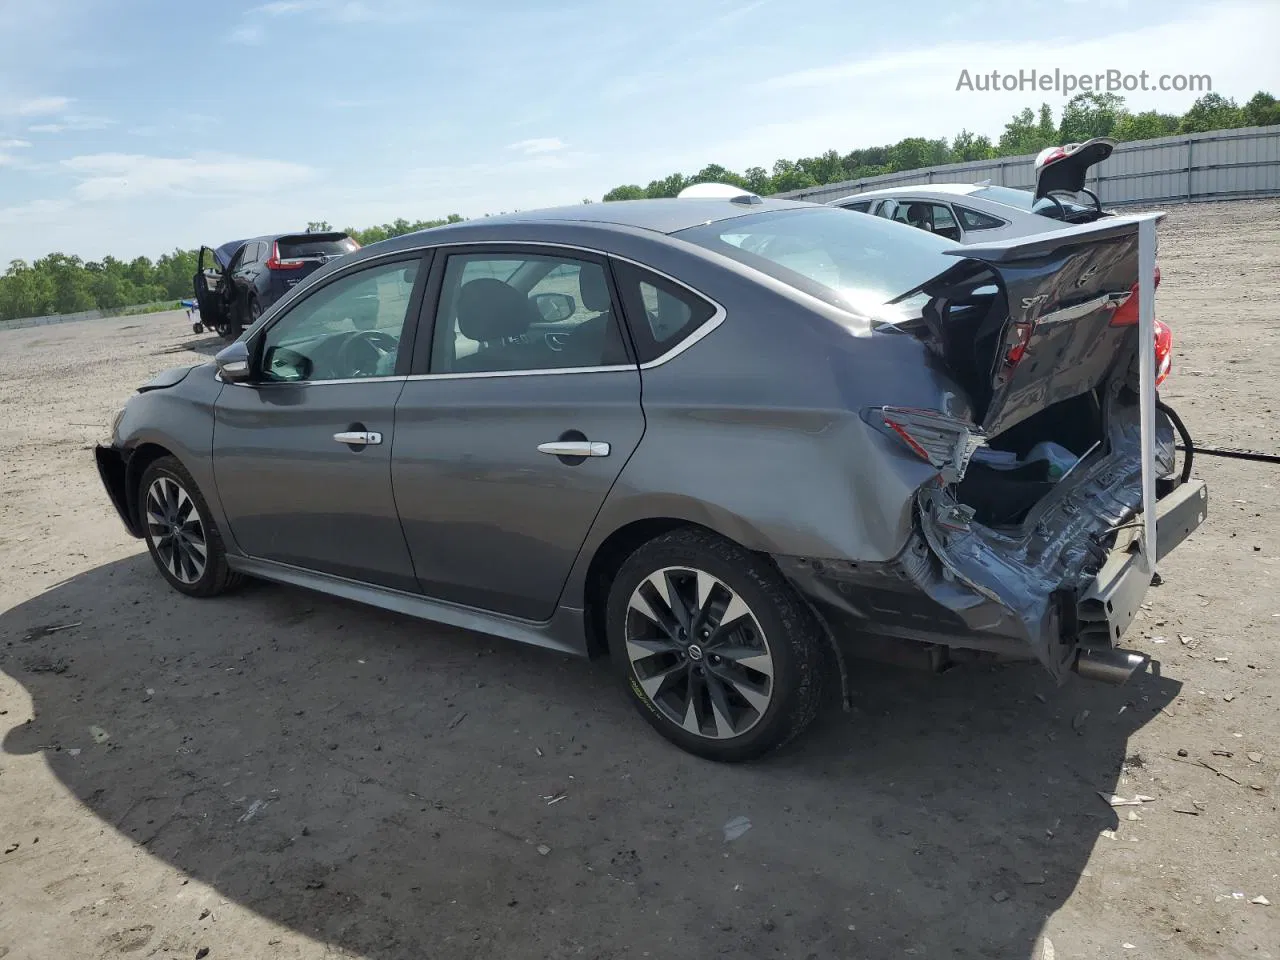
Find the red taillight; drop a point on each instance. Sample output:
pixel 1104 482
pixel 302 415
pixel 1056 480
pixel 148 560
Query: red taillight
pixel 275 263
pixel 1164 352
pixel 944 442
pixel 1126 314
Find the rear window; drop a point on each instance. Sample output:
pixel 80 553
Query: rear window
pixel 856 263
pixel 1025 200
pixel 329 245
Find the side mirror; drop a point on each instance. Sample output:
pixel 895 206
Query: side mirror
pixel 233 363
pixel 555 307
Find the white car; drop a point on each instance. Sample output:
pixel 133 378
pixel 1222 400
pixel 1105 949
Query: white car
pixel 982 212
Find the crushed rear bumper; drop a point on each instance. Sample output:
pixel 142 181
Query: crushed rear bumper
pixel 1067 596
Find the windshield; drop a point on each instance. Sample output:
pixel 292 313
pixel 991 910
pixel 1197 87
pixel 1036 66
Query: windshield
pixel 1025 200
pixel 856 263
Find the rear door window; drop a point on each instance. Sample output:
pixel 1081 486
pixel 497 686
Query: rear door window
pixel 861 206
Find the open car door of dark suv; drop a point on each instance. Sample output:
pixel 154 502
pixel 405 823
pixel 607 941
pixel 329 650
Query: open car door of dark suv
pixel 209 294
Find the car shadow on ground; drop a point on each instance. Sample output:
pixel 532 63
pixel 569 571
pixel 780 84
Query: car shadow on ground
pixel 398 789
pixel 206 346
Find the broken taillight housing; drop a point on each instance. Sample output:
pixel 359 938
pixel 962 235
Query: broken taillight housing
pixel 1126 314
pixel 1164 352
pixel 945 442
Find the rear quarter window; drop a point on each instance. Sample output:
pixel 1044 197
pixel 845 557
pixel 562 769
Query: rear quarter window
pixel 660 313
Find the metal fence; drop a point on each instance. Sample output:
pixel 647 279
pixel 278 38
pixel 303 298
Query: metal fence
pixel 134 311
pixel 1218 165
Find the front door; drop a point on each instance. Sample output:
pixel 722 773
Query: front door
pixel 302 453
pixel 507 446
pixel 207 281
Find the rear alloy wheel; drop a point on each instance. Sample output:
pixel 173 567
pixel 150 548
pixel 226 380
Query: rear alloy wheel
pixel 184 543
pixel 720 655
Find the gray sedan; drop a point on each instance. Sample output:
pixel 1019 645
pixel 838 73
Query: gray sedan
pixel 725 441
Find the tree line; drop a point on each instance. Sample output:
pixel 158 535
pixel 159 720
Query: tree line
pixel 1085 116
pixel 59 283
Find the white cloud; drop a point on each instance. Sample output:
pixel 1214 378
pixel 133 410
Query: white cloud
pixel 72 121
pixel 536 145
pixel 34 107
pixel 250 35
pixel 14 144
pixel 108 176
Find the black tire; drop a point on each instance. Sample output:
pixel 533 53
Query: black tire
pixel 179 565
pixel 792 641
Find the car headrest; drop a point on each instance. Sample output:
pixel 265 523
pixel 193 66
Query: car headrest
pixel 594 288
pixel 917 211
pixel 489 309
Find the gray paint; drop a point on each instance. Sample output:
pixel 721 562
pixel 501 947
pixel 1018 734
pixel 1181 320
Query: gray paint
pixel 755 431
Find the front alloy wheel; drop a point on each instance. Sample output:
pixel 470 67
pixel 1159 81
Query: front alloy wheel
pixel 175 530
pixel 718 652
pixel 181 536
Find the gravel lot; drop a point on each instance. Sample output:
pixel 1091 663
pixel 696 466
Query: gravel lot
pixel 280 775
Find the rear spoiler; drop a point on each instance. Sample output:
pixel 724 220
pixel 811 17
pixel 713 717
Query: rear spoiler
pixel 1039 244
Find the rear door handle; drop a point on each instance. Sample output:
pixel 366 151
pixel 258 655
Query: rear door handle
pixel 575 448
pixel 360 438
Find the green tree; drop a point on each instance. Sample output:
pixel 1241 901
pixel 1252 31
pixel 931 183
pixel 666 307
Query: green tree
pixel 1213 111
pixel 1262 110
pixel 758 181
pixel 916 152
pixel 970 146
pixel 1027 133
pixel 318 226
pixel 668 186
pixel 629 191
pixel 1145 126
pixel 714 173
pixel 1089 115
pixel 787 175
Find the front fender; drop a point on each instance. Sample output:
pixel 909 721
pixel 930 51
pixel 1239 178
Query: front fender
pixel 176 420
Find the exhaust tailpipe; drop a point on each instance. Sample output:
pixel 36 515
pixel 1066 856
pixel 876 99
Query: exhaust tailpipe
pixel 1109 666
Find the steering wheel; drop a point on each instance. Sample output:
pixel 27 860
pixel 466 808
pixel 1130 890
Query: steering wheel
pixel 363 352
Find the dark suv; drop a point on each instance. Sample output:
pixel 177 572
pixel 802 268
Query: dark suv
pixel 236 282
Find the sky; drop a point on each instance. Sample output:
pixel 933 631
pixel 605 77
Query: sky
pixel 131 127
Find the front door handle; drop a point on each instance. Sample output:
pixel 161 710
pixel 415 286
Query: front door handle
pixel 359 438
pixel 575 448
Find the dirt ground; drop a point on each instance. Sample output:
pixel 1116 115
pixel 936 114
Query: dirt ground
pixel 276 774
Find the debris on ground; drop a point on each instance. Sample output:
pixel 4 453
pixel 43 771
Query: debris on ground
pixel 1182 752
pixel 1077 722
pixel 1133 815
pixel 1222 753
pixel 736 828
pixel 543 849
pixel 1255 757
pixel 1261 901
pixel 555 798
pixel 1117 801
pixel 44 631
pixel 99 735
pixel 1186 640
pixel 202 953
pixel 1109 834
pixel 458 719
pixel 1000 896
pixel 205 913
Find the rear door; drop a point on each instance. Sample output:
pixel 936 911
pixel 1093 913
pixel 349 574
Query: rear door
pixel 213 312
pixel 302 453
pixel 513 429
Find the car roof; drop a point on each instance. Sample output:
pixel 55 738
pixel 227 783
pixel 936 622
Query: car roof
pixel 660 216
pixel 922 189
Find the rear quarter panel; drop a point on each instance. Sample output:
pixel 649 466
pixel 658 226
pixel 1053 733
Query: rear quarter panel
pixel 755 430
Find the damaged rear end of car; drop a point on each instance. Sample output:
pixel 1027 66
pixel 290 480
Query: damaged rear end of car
pixel 1027 541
